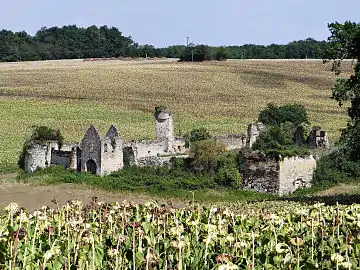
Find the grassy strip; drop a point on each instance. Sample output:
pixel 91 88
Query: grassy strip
pixel 154 181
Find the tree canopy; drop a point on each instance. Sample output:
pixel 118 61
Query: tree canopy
pixel 274 115
pixel 344 43
pixel 71 41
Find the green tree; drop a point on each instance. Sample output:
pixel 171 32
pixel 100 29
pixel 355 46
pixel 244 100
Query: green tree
pixel 195 135
pixel 344 43
pixel 197 53
pixel 222 53
pixel 274 115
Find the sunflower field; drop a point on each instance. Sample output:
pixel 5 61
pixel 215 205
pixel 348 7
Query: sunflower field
pixel 264 235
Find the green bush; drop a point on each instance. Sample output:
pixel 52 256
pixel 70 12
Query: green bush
pixel 274 115
pixel 279 140
pixel 196 135
pixel 205 155
pixel 227 172
pixel 275 137
pixel 44 133
pixel 336 167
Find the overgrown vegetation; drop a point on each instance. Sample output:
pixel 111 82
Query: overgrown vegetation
pixel 196 135
pixel 283 123
pixel 174 182
pixel 210 158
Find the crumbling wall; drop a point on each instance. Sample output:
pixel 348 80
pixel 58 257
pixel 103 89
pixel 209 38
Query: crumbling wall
pixel 35 157
pixel 112 155
pixel 261 173
pixel 272 174
pixel 318 138
pixel 59 157
pixel 232 141
pixel 296 172
pixel 253 133
pixel 38 155
pixel 144 149
pixel 178 146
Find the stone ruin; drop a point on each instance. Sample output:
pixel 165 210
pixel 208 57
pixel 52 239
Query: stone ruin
pixel 277 175
pixel 238 141
pixel 318 138
pixel 103 155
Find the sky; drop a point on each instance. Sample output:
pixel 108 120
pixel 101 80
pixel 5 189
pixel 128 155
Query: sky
pixel 165 22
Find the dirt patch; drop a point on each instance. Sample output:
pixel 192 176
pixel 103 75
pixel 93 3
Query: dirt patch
pixel 34 196
pixel 340 189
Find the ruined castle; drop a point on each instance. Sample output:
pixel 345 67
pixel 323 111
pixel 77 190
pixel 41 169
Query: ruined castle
pixel 102 155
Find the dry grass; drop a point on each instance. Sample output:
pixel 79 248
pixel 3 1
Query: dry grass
pixel 222 96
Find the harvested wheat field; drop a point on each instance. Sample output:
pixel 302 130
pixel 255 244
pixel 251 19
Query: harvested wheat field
pixel 221 96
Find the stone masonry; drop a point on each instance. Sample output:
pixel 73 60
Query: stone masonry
pixel 103 155
pixel 277 175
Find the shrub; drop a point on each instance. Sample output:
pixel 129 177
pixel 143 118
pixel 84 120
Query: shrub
pixel 335 168
pixel 275 137
pixel 44 133
pixel 196 135
pixel 227 172
pixel 279 140
pixel 205 155
pixel 274 115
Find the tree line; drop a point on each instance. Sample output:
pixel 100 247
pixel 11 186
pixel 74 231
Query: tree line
pixel 73 42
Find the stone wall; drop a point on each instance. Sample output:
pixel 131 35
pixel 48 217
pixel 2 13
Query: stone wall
pixel 296 172
pixel 232 141
pixel 253 133
pixel 272 174
pixel 145 149
pixel 112 156
pixel 35 157
pixel 318 138
pixel 177 146
pixel 59 157
pixel 38 155
pixel 261 173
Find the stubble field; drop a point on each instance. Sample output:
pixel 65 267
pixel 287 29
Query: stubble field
pixel 221 96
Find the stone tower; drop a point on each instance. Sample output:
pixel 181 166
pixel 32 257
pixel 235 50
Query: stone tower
pixel 164 126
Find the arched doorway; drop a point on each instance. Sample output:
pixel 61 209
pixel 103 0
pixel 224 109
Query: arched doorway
pixel 91 166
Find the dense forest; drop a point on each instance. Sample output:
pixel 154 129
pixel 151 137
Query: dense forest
pixel 69 42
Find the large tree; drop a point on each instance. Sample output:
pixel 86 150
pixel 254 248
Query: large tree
pixel 344 43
